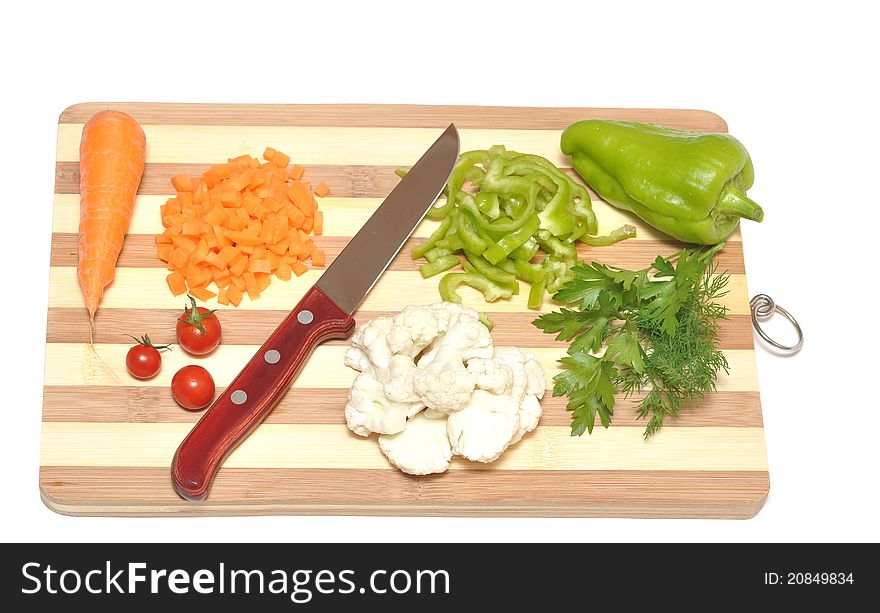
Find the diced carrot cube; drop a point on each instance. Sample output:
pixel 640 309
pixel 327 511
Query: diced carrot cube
pixel 239 266
pixel 262 266
pixel 283 272
pixel 299 268
pixel 176 283
pixel 321 189
pixel 318 227
pixel 318 257
pixel 182 183
pixel 281 160
pixel 186 199
pixel 201 293
pixel 296 172
pixel 233 294
pixel 164 251
pixel 263 281
pixel 268 153
pixel 250 282
pixel 302 197
pixel 221 296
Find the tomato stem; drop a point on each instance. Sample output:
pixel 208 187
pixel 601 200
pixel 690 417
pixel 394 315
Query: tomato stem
pixel 145 340
pixel 193 317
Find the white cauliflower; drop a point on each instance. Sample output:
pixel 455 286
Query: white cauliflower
pixel 369 410
pixel 421 449
pixel 499 414
pixel 433 385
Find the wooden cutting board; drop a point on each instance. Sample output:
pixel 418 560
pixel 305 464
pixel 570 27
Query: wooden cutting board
pixel 108 439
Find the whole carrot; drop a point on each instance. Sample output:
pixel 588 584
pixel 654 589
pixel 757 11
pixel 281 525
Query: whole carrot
pixel 111 163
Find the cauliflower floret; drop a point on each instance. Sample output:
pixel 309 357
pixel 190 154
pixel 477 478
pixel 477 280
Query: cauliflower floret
pixel 415 327
pixel 368 410
pixel 492 375
pixel 529 414
pixel 466 334
pixel 444 385
pixel 421 449
pixel 483 429
pixel 372 341
pixel 399 387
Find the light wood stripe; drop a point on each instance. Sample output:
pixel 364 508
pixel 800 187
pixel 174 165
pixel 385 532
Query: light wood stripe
pixel 334 446
pixel 579 493
pixel 146 288
pixel 343 217
pixel 79 364
pixel 176 144
pixel 387 116
pixel 244 327
pixel 138 404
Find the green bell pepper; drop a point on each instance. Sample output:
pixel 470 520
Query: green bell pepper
pixel 689 185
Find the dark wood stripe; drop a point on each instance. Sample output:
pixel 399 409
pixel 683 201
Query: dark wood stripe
pixel 391 116
pixel 148 491
pixel 139 251
pixel 250 327
pixel 133 404
pixel 345 181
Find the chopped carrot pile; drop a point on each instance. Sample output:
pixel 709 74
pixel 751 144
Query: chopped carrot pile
pixel 228 232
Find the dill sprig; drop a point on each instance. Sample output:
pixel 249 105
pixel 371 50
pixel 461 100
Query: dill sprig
pixel 652 331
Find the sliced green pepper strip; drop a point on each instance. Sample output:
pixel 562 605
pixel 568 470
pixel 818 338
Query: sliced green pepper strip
pixel 536 293
pixel 509 242
pixel 622 233
pixel 556 216
pixel 436 235
pixel 487 203
pixel 531 273
pixel 451 242
pixel 489 271
pixel 554 246
pixel 467 234
pixel 436 253
pixel 526 251
pixel 439 265
pixel 507 266
pixel 491 291
pixel 463 171
pixel 502 225
pixel 496 181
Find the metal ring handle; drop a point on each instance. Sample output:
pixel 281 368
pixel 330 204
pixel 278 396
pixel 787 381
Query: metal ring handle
pixel 762 306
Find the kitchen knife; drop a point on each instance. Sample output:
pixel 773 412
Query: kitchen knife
pixel 323 313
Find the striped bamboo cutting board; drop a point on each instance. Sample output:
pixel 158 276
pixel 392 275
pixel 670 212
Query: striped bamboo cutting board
pixel 108 439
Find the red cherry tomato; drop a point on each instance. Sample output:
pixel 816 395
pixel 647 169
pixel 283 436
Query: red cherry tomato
pixel 192 387
pixel 144 361
pixel 198 330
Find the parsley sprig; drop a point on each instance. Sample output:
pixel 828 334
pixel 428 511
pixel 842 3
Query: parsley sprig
pixel 658 328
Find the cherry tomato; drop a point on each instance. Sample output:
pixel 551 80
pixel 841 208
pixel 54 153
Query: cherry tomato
pixel 198 330
pixel 143 360
pixel 192 387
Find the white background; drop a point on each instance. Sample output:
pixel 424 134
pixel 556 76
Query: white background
pixel 796 83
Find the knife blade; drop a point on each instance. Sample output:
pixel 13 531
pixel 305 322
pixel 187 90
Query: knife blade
pixel 324 312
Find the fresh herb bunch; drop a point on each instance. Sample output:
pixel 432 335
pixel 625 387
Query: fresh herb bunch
pixel 659 330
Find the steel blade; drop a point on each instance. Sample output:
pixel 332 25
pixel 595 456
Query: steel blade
pixel 352 275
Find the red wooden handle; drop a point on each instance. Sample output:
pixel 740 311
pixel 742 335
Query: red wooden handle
pixel 255 391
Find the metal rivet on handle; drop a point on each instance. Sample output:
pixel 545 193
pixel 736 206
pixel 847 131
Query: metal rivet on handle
pixel 305 316
pixel 238 397
pixel 272 356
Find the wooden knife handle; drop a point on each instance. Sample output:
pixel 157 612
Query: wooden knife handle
pixel 255 391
